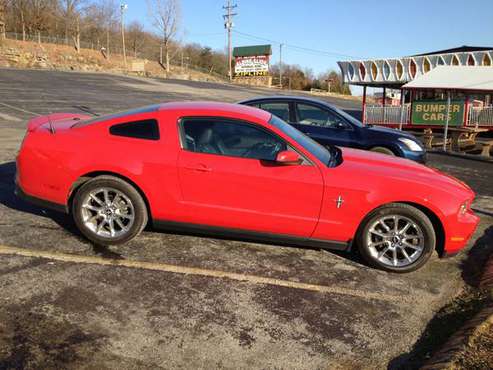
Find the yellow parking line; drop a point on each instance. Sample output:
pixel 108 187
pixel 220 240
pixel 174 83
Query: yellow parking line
pixel 164 267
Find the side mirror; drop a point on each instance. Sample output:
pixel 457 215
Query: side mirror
pixel 288 157
pixel 340 126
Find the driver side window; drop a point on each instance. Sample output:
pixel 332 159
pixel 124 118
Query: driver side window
pixel 315 116
pixel 230 138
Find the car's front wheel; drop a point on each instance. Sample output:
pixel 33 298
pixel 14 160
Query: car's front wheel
pixel 396 237
pixel 108 210
pixel 383 150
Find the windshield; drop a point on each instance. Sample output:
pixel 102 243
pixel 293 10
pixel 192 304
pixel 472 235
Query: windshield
pixel 313 147
pixel 347 116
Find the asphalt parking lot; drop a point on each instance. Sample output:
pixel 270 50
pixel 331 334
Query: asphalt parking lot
pixel 181 301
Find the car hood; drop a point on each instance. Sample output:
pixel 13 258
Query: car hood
pixel 390 168
pixel 378 130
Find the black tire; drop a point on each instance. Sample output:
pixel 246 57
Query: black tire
pixel 383 150
pixel 139 209
pixel 408 213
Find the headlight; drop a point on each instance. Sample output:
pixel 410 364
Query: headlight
pixel 463 208
pixel 411 144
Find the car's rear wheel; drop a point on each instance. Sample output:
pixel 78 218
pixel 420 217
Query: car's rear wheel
pixel 396 237
pixel 108 210
pixel 383 150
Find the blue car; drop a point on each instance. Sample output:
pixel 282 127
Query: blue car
pixel 329 125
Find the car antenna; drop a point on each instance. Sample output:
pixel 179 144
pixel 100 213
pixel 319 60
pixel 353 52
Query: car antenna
pixel 52 128
pixel 86 109
pixel 50 123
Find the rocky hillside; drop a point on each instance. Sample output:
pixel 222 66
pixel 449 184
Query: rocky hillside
pixel 25 54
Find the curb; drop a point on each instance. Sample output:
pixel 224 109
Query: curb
pixel 449 352
pixel 473 157
pixel 444 358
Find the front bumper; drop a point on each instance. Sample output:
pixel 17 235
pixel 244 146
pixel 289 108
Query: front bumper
pixel 419 157
pixel 460 232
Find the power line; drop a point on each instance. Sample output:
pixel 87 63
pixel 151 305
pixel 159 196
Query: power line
pixel 296 47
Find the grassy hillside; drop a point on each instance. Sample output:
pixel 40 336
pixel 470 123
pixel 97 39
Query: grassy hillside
pixel 26 54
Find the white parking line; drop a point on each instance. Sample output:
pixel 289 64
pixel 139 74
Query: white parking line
pixel 18 109
pixel 6 250
pixel 8 117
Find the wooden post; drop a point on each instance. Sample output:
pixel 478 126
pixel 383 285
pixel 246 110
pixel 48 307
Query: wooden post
pixel 466 111
pixel 446 122
pixel 411 101
pixel 364 105
pixel 383 104
pixel 401 118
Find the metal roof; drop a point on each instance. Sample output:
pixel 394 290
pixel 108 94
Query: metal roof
pixel 249 51
pixel 395 72
pixel 473 78
pixel 460 49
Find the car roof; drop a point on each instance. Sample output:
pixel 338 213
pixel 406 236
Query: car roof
pixel 286 98
pixel 198 108
pixel 208 108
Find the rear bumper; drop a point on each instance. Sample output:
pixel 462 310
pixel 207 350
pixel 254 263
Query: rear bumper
pixel 42 203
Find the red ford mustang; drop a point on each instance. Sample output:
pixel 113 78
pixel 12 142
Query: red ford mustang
pixel 236 170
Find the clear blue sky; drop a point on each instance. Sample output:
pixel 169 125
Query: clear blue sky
pixel 360 28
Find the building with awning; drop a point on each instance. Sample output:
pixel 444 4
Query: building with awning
pixel 464 73
pixel 459 78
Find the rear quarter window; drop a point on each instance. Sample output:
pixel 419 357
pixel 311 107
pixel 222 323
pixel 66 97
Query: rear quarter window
pixel 145 129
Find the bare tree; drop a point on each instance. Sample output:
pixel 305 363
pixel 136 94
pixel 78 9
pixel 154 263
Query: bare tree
pixel 136 36
pixel 109 15
pixel 37 16
pixel 20 7
pixel 3 6
pixel 70 13
pixel 165 15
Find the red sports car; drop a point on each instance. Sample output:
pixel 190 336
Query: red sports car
pixel 237 170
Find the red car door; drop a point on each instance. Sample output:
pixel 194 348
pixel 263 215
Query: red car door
pixel 229 178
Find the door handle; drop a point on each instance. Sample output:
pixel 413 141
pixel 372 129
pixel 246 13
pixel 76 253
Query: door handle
pixel 200 168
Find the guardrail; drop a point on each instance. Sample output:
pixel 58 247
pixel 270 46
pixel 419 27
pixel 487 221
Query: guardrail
pixel 480 116
pixel 390 115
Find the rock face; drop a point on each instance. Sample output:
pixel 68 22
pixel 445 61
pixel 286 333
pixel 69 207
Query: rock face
pixel 25 54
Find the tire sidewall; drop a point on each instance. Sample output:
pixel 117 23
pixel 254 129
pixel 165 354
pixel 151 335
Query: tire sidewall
pixel 140 211
pixel 407 211
pixel 383 150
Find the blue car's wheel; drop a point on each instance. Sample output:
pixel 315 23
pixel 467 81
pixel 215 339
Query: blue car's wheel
pixel 383 150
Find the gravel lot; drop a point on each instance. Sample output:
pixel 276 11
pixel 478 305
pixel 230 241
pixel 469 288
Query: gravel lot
pixel 181 301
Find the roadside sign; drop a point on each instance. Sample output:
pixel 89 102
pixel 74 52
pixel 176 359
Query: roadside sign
pixel 434 112
pixel 257 65
pixel 138 66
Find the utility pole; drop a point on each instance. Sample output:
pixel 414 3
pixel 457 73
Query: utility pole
pixel 123 8
pixel 280 65
pixel 228 24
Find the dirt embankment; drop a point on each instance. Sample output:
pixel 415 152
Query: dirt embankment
pixel 26 54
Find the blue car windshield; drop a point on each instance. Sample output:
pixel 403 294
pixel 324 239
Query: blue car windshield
pixel 347 116
pixel 321 153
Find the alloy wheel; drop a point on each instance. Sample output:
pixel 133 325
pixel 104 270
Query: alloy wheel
pixel 395 240
pixel 107 212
